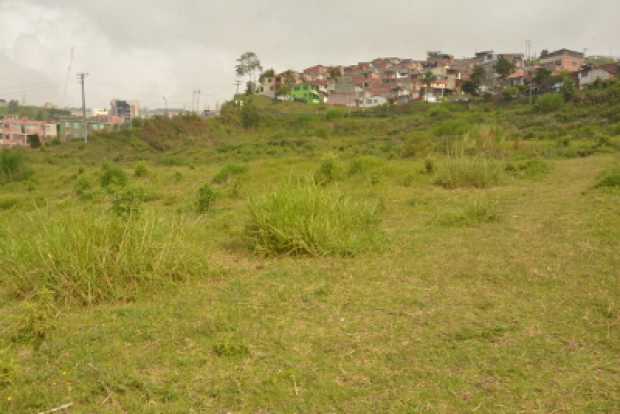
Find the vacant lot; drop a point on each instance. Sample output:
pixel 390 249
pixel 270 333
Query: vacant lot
pixel 498 292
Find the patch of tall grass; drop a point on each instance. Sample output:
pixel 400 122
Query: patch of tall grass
pixel 228 171
pixel 87 258
pixel 472 213
pixel 303 218
pixel 13 167
pixel 469 172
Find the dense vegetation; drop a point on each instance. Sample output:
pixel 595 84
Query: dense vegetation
pixel 287 258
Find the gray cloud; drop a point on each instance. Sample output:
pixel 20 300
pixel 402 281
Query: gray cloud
pixel 144 50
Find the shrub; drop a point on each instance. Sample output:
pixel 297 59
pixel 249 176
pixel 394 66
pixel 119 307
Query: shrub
pixel 141 171
pixel 429 166
pixel 228 171
pixel 86 258
pixel 328 172
pixel 127 202
pixel 206 199
pixel 250 118
pixel 305 219
pixel 13 167
pixel 477 172
pixel 83 188
pixel 113 176
pixel 549 103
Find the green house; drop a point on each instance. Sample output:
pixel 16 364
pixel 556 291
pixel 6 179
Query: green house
pixel 306 94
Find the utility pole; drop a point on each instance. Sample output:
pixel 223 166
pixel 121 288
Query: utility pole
pixel 81 77
pixel 166 106
pixel 198 101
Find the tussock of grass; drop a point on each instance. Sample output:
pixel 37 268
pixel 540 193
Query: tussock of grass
pixel 473 213
pixel 89 258
pixel 13 167
pixel 528 169
pixel 228 171
pixel 464 172
pixel 610 179
pixel 305 219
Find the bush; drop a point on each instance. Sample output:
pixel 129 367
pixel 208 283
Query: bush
pixel 228 171
pixel 328 172
pixel 549 103
pixel 86 258
pixel 13 167
pixel 83 188
pixel 250 118
pixel 462 172
pixel 206 199
pixel 306 219
pixel 113 176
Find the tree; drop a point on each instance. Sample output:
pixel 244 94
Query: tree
pixel 504 67
pixel 543 79
pixel 334 73
pixel 568 89
pixel 428 79
pixel 268 74
pixel 544 53
pixel 247 65
pixel 13 107
pixel 472 86
pixel 287 81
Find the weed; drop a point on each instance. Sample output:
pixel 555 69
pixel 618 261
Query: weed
pixel 127 202
pixel 462 172
pixel 429 166
pixel 141 170
pixel 229 170
pixel 37 319
pixel 83 188
pixel 8 203
pixel 86 258
pixel 528 169
pixel 113 177
pixel 305 219
pixel 611 179
pixel 13 167
pixel 206 199
pixel 549 103
pixel 328 172
pixel 476 212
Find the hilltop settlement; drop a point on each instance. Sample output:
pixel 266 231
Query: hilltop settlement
pixel 382 81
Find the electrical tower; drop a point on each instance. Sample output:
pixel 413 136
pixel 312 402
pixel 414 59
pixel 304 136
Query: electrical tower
pixel 81 77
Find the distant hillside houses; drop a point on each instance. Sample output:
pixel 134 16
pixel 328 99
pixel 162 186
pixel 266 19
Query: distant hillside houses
pixel 401 80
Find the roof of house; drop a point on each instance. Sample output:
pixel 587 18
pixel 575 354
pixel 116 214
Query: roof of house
pixel 564 52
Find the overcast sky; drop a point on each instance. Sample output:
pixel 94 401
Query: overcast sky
pixel 144 50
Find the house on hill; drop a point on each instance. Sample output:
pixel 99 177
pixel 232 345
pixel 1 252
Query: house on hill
pixel 590 74
pixel 563 60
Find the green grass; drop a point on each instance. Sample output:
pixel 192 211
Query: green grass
pixel 90 258
pixel 497 299
pixel 303 218
pixel 464 172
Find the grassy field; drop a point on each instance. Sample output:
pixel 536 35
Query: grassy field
pixel 446 260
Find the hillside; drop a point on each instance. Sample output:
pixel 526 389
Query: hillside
pixel 442 258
